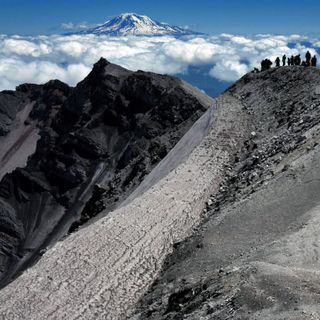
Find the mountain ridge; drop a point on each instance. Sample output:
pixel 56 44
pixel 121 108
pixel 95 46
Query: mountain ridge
pixel 128 24
pixel 90 143
pixel 226 226
pixel 253 255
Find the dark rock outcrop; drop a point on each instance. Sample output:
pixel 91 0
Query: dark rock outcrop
pixel 10 104
pixel 97 142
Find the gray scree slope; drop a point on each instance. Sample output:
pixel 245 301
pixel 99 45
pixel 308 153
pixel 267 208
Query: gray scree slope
pixel 255 173
pixel 256 256
pixel 101 271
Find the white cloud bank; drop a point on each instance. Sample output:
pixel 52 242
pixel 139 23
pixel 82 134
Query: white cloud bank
pixel 70 58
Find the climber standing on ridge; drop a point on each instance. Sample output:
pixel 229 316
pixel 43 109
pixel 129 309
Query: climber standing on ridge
pixel 265 64
pixel 284 59
pixel 291 61
pixel 314 61
pixel 297 60
pixel 308 58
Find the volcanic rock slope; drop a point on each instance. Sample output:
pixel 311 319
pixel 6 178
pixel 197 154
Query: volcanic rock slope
pixel 256 254
pixel 225 227
pixel 68 154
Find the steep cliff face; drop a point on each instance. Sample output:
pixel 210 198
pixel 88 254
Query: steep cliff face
pixel 89 147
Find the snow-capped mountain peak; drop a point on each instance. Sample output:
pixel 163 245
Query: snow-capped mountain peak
pixel 134 24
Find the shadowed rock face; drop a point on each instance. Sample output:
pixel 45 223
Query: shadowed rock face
pixel 10 104
pixel 94 145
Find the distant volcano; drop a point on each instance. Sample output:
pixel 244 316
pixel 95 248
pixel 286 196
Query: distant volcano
pixel 134 24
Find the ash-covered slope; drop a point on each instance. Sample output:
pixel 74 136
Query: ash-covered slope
pixel 89 147
pixel 256 255
pixel 242 185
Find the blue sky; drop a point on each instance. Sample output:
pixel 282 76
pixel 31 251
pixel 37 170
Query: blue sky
pixel 210 16
pixel 239 35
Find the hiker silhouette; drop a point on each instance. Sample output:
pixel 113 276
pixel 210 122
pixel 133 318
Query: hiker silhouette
pixel 277 62
pixel 308 58
pixel 314 61
pixel 297 60
pixel 292 60
pixel 289 61
pixel 266 64
pixel 284 59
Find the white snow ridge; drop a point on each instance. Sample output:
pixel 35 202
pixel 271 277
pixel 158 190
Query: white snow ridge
pixel 134 24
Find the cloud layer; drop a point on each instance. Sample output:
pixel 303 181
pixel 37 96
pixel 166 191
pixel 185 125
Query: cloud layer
pixel 70 58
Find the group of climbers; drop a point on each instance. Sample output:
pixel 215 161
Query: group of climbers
pixel 290 61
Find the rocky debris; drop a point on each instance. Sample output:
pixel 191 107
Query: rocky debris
pixel 267 192
pixel 279 135
pixel 110 130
